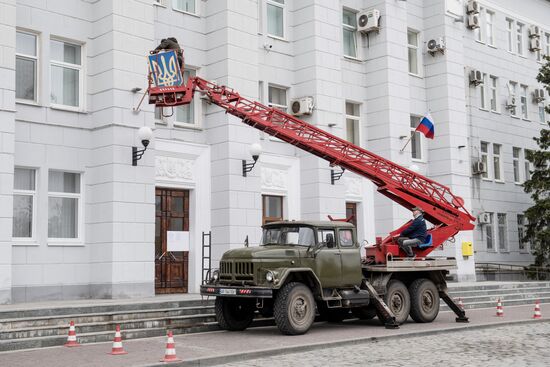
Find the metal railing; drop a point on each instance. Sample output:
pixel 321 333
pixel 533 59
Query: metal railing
pixel 498 271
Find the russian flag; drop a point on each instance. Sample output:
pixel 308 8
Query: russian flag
pixel 426 126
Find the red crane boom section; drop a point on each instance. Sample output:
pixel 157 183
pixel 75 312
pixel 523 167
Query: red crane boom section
pixel 441 207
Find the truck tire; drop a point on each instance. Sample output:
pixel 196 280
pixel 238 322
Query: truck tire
pixel 332 314
pixel 294 309
pixel 364 313
pixel 424 300
pixel 234 314
pixel 398 300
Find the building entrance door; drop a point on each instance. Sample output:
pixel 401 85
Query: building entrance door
pixel 172 214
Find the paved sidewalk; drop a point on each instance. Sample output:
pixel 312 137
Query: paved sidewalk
pixel 224 347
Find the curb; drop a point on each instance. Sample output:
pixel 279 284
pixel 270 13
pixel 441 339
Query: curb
pixel 237 357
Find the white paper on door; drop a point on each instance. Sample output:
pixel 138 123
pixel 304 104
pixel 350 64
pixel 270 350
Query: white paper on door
pixel 177 240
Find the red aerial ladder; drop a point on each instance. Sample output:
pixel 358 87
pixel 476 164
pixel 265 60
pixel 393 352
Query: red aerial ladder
pixel 441 207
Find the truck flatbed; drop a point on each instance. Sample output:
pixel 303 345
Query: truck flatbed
pixel 418 264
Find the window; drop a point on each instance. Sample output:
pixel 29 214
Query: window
pixel 485 158
pixel 159 2
pixel 346 237
pixel 63 205
pixel 185 115
pixel 547 44
pixel 493 93
pixel 412 41
pixel 539 52
pixel 188 6
pixel 542 113
pixel 351 212
pixel 489 26
pixel 523 102
pixel 510 33
pixel 489 235
pixel 277 98
pixel 24 199
pixel 527 164
pixel 272 208
pixel 513 90
pixel 66 73
pixel 483 92
pixel 416 139
pixel 478 32
pixel 26 66
pixel 502 240
pixel 352 123
pixel 515 159
pixel 275 18
pixel 523 244
pixel 326 237
pixel 497 168
pixel 519 38
pixel 349 24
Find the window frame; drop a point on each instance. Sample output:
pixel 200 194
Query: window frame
pixel 78 240
pixel 33 194
pixel 516 165
pixel 520 38
pixel 417 53
pixel 417 135
pixel 510 34
pixel 500 163
pixel 493 91
pixel 527 166
pixel 36 59
pixel 265 218
pixel 483 95
pixel 490 226
pixel 283 7
pixel 356 122
pixel 490 24
pixel 480 31
pixel 353 29
pixel 514 89
pixel 184 11
pixel 541 106
pixel 283 108
pixel 196 103
pixel 524 247
pixel 546 43
pixel 81 71
pixel 523 101
pixel 484 157
pixel 502 240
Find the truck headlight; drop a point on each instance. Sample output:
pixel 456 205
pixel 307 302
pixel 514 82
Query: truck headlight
pixel 215 275
pixel 269 276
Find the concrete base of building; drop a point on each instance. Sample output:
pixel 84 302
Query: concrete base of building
pixel 5 296
pixel 80 291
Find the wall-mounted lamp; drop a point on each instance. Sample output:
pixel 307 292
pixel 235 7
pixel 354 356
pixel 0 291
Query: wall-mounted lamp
pixel 255 151
pixel 331 124
pixel 144 134
pixel 335 176
pixel 403 137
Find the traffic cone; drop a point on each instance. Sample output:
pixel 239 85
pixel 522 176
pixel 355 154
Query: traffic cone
pixel 117 343
pixel 460 304
pixel 500 311
pixel 537 314
pixel 170 353
pixel 71 339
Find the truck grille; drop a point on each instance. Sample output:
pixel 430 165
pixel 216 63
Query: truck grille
pixel 238 270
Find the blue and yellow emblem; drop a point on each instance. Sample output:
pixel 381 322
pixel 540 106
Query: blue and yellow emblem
pixel 165 69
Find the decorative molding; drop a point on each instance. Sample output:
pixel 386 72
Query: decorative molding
pixel 173 169
pixel 274 179
pixel 353 186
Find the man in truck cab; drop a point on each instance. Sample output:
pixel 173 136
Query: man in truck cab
pixel 415 234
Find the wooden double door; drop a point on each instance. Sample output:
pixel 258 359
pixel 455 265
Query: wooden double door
pixel 171 267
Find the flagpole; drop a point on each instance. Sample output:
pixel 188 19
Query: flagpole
pixel 407 143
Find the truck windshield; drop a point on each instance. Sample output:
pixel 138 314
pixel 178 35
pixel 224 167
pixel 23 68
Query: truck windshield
pixel 294 236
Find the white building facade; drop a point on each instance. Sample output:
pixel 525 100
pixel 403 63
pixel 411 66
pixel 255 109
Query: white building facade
pixel 77 220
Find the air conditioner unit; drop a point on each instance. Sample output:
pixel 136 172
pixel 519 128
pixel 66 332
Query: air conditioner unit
pixel 484 218
pixel 473 21
pixel 538 95
pixel 534 44
pixel 511 102
pixel 476 78
pixel 472 7
pixel 301 106
pixel 435 45
pixel 479 167
pixel 368 20
pixel 534 31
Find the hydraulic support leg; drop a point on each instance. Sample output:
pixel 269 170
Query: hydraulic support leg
pixel 382 308
pixel 451 303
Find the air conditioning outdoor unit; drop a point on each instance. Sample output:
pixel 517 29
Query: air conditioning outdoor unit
pixel 484 218
pixel 511 102
pixel 472 7
pixel 476 78
pixel 534 31
pixel 479 167
pixel 534 44
pixel 301 106
pixel 435 45
pixel 473 21
pixel 538 95
pixel 368 20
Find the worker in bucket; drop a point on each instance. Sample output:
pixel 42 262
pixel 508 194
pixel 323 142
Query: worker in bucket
pixel 415 234
pixel 171 43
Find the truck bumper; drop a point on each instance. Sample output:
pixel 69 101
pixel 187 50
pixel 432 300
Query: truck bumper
pixel 232 291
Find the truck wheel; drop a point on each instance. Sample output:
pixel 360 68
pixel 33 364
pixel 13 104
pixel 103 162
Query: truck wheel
pixel 364 313
pixel 294 309
pixel 424 300
pixel 234 314
pixel 332 314
pixel 398 300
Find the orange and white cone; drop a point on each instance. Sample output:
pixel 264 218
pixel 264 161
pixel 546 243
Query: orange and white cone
pixel 500 311
pixel 117 343
pixel 71 339
pixel 537 314
pixel 170 353
pixel 460 304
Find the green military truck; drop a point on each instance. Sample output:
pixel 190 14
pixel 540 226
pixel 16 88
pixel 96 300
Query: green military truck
pixel 304 268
